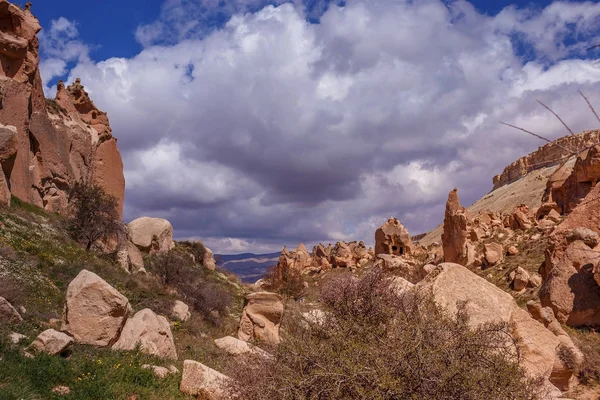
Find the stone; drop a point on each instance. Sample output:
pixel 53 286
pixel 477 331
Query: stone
pixel 61 390
pixel 15 337
pixel 512 251
pixel 181 311
pixel 494 253
pixel 535 280
pixel 586 235
pixel 152 235
pixel 161 372
pixel 392 238
pixel 95 312
pixel 520 280
pixel 401 286
pixel 553 216
pixel 236 347
pixel 451 284
pixel 52 342
pixel 152 331
pixel 130 258
pixel 261 318
pixel 8 313
pixel 402 267
pixel 198 379
pixel 209 259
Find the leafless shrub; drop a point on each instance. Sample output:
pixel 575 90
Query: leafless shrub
pixel 374 344
pixel 286 282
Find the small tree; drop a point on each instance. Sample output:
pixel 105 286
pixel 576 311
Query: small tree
pixel 94 215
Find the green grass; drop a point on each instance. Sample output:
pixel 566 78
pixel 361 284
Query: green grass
pixel 38 260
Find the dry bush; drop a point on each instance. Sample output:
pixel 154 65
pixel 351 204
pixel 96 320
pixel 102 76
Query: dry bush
pixel 178 270
pixel 588 342
pixel 196 249
pixel 10 290
pixel 94 215
pixel 373 344
pixel 286 282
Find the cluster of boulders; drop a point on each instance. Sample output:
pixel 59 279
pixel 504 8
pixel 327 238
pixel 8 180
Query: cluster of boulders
pixel 48 145
pixel 343 255
pixel 484 240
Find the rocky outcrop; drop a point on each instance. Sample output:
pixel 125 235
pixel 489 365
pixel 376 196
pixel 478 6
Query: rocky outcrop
pixel 130 258
pixel 8 313
pixel 152 331
pixel 209 259
pixel 95 312
pixel 540 349
pixel 548 155
pixel 202 381
pixel 456 231
pixel 57 142
pixel 572 257
pixel 261 318
pixel 151 235
pixel 52 342
pixel 393 238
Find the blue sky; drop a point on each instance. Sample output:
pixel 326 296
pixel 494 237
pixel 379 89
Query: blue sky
pixel 270 130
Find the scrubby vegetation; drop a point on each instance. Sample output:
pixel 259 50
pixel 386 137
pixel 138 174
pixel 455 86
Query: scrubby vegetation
pixel 372 343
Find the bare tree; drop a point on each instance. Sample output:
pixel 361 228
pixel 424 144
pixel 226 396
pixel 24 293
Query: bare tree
pixel 94 215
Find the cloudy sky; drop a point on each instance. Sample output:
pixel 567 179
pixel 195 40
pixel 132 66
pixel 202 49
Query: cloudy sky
pixel 251 124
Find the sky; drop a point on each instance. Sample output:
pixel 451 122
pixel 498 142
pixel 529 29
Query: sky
pixel 251 124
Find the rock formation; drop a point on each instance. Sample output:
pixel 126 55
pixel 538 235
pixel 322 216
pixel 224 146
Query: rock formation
pixel 151 235
pixel 393 238
pixel 181 311
pixel 152 331
pixel 8 313
pixel 95 312
pixel 209 259
pixel 455 236
pixel 236 347
pixel 48 145
pixel 261 318
pixel 572 257
pixel 546 156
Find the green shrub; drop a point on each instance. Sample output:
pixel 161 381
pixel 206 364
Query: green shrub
pixel 374 344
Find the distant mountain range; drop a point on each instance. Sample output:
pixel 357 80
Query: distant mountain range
pixel 249 267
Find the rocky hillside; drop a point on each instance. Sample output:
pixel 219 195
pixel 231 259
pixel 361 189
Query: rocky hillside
pixel 48 145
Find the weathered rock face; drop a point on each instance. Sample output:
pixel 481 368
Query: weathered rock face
pixel 152 331
pixel 200 380
pixel 540 349
pixel 572 256
pixel 547 155
pixel 261 318
pixel 56 143
pixel 151 235
pixel 455 236
pixel 95 311
pixel 52 342
pixel 393 238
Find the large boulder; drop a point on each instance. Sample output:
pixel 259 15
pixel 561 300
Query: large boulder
pixel 392 238
pixel 152 235
pixel 199 380
pixel 261 318
pixel 95 312
pixel 572 256
pixel 52 342
pixel 130 258
pixel 8 313
pixel 152 331
pixel 452 284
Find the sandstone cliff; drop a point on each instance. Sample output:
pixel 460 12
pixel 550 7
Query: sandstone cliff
pixel 47 145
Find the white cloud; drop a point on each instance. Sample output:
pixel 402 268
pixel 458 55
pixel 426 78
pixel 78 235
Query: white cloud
pixel 272 130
